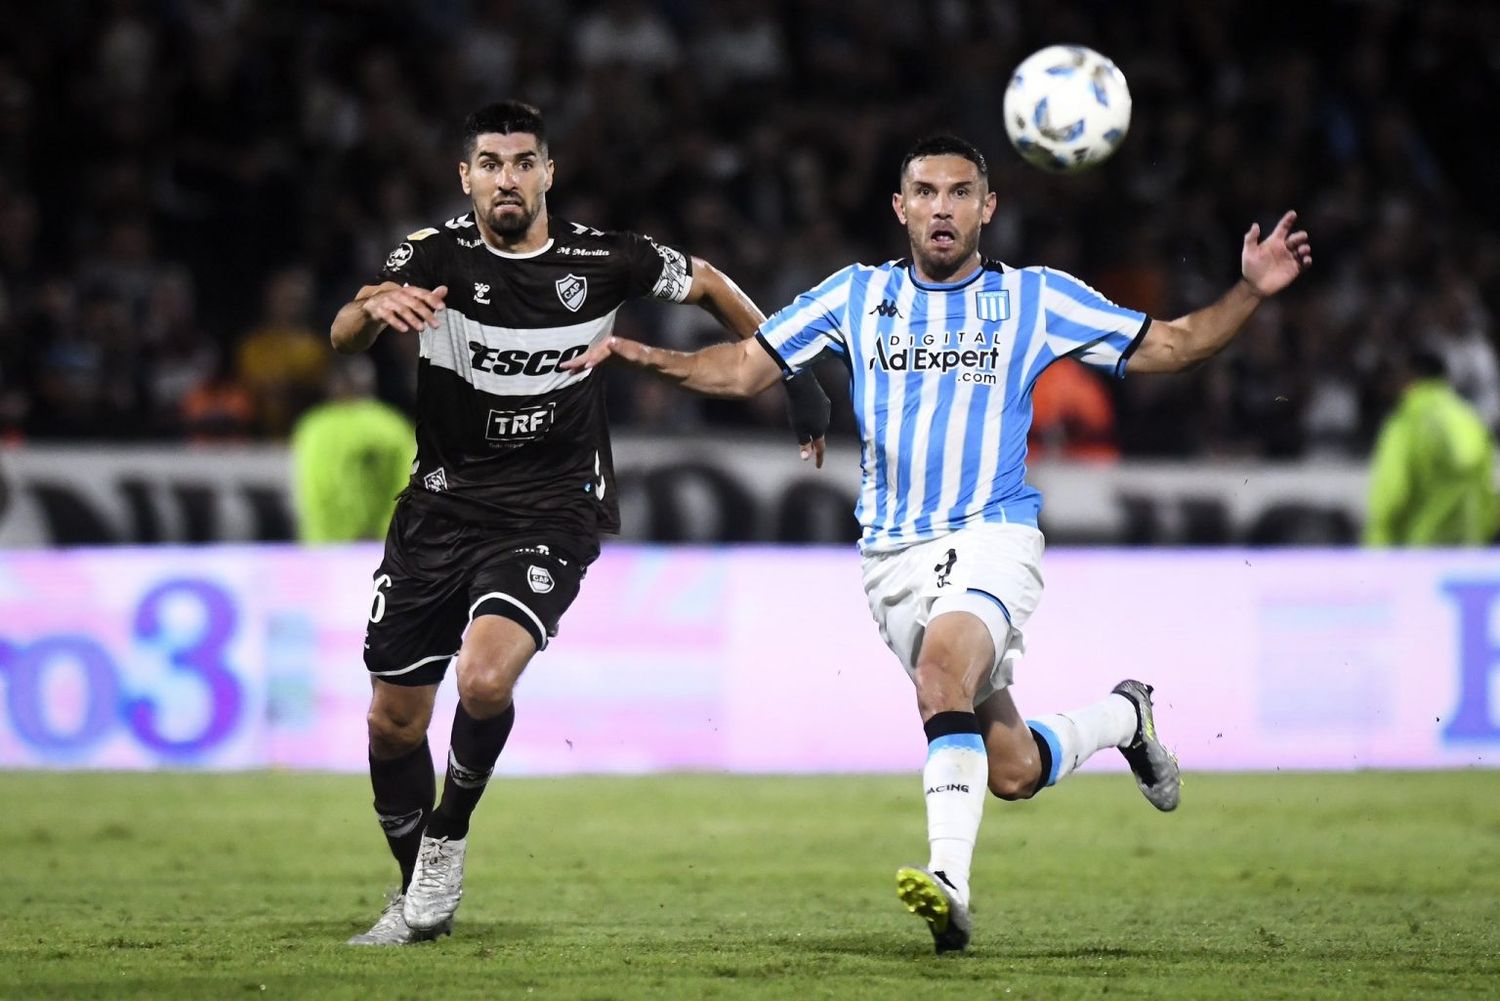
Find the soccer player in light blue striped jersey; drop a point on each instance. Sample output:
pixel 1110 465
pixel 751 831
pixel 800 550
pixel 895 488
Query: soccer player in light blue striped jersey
pixel 943 348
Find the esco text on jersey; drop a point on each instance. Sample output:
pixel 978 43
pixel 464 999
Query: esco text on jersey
pixel 517 361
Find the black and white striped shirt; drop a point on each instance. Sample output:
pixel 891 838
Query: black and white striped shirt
pixel 504 437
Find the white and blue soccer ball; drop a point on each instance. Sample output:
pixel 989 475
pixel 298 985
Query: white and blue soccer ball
pixel 1067 108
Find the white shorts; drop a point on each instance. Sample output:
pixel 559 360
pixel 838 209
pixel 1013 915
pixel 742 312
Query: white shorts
pixel 990 570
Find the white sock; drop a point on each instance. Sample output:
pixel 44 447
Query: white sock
pixel 1076 736
pixel 955 779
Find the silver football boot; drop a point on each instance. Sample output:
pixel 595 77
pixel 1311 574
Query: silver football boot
pixel 436 884
pixel 392 928
pixel 1155 767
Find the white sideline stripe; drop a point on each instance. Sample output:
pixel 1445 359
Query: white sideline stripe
pixel 413 667
pixel 541 629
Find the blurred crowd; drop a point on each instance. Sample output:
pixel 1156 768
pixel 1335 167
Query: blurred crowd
pixel 190 188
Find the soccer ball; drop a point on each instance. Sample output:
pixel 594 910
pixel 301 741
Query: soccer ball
pixel 1067 108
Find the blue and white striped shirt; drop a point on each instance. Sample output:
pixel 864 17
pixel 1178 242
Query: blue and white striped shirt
pixel 942 378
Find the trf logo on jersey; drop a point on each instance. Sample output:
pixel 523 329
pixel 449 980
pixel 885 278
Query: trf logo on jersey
pixel 572 290
pixel 436 481
pixel 887 308
pixel 993 305
pixel 516 427
pixel 481 291
pixel 539 579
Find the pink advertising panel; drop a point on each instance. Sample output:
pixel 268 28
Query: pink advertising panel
pixel 755 659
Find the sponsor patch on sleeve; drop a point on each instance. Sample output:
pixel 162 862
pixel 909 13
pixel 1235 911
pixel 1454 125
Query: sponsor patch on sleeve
pixel 675 282
pixel 399 257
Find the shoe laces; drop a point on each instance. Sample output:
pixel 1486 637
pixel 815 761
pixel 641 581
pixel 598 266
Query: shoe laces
pixel 437 861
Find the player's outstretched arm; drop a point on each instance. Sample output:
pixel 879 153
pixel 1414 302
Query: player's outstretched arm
pixel 376 307
pixel 735 371
pixel 807 404
pixel 1266 267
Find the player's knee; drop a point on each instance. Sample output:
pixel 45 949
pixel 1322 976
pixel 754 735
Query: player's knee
pixel 393 733
pixel 941 688
pixel 484 693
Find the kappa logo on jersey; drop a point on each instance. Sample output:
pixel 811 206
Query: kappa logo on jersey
pixel 539 579
pixel 886 308
pixel 993 305
pixel 517 361
pixel 436 481
pixel 516 427
pixel 946 567
pixel 481 292
pixel 398 257
pixel 571 291
pixel 460 222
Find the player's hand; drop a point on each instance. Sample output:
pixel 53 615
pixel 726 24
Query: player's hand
pixel 1272 264
pixel 810 412
pixel 406 308
pixel 630 352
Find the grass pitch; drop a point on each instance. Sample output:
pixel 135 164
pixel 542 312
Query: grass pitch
pixel 1370 885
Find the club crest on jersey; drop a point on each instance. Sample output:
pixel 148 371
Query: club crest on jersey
pixel 993 305
pixel 539 579
pixel 398 257
pixel 572 290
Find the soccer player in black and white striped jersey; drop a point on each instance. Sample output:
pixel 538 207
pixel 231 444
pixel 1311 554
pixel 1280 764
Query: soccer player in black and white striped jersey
pixel 513 482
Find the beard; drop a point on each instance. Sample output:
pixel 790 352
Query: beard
pixel 511 224
pixel 941 265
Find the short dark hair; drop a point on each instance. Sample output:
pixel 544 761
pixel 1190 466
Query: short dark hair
pixel 946 145
pixel 504 117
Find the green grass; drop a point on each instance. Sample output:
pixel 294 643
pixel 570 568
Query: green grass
pixel 1371 885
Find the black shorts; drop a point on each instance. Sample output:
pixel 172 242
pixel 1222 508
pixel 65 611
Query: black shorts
pixel 438 574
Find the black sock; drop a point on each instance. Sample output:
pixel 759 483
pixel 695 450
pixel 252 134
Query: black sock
pixel 475 746
pixel 404 789
pixel 1044 753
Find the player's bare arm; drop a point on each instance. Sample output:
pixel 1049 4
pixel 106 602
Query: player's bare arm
pixel 718 295
pixel 402 307
pixel 732 371
pixel 1266 267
